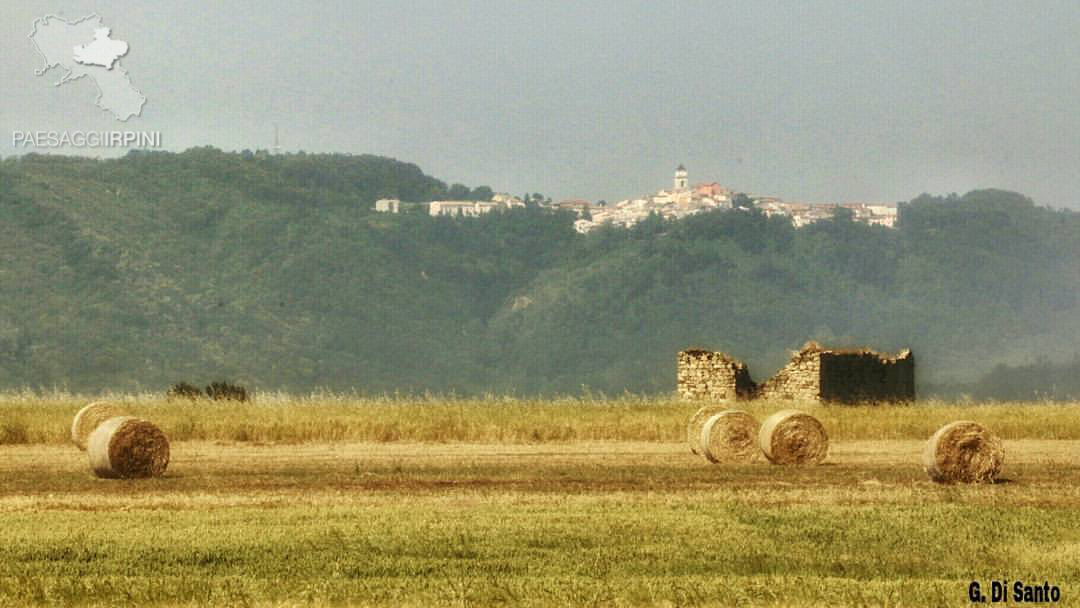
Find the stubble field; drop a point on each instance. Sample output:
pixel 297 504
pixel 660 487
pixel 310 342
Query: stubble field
pixel 335 500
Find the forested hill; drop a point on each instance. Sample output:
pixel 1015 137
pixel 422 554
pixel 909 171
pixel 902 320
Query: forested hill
pixel 274 272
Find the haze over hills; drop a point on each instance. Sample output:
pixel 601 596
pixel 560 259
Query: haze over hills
pixel 274 271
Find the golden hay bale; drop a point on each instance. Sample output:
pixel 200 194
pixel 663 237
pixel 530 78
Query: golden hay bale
pixel 124 447
pixel 963 451
pixel 697 421
pixel 730 436
pixel 793 437
pixel 90 417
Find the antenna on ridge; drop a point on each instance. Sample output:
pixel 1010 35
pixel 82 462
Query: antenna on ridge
pixel 277 141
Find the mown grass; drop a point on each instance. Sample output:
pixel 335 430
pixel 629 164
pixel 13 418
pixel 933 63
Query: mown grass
pixel 577 550
pixel 32 418
pixel 333 500
pixel 547 525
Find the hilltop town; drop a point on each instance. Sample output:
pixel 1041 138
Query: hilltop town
pixel 681 200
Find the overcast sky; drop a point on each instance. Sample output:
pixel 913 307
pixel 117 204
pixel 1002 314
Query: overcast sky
pixel 815 101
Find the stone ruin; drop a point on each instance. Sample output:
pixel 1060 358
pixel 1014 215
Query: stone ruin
pixel 814 373
pixel 704 374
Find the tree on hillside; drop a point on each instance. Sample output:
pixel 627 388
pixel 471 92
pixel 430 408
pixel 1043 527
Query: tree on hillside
pixel 536 198
pixel 742 201
pixel 482 193
pixel 843 214
pixel 459 192
pixel 274 274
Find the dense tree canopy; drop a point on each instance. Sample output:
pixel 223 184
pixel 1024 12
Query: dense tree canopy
pixel 274 271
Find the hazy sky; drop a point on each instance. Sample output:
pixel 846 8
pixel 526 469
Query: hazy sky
pixel 815 101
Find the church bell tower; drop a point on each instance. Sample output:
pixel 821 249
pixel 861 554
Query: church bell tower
pixel 681 181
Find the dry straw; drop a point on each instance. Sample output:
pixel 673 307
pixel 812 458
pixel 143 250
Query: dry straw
pixel 90 417
pixel 963 451
pixel 697 422
pixel 125 447
pixel 730 436
pixel 793 437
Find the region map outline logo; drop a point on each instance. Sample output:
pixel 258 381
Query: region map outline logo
pixel 130 101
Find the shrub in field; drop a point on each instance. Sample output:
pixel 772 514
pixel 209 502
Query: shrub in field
pixel 185 390
pixel 224 391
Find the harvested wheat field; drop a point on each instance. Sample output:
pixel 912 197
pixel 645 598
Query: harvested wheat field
pixel 337 501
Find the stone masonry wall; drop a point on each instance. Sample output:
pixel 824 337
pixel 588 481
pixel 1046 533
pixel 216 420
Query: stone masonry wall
pixel 705 374
pixel 813 374
pixel 799 380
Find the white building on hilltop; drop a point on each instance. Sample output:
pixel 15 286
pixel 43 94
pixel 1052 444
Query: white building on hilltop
pixel 679 202
pixel 463 208
pixel 388 205
pixel 509 200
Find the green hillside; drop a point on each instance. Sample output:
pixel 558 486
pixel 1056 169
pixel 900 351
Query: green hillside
pixel 273 271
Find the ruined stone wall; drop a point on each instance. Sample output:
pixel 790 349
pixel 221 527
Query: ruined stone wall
pixel 799 380
pixel 703 374
pixel 813 374
pixel 866 376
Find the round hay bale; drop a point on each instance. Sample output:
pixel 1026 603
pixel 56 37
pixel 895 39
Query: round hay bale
pixel 793 437
pixel 90 417
pixel 124 447
pixel 730 436
pixel 963 451
pixel 697 421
